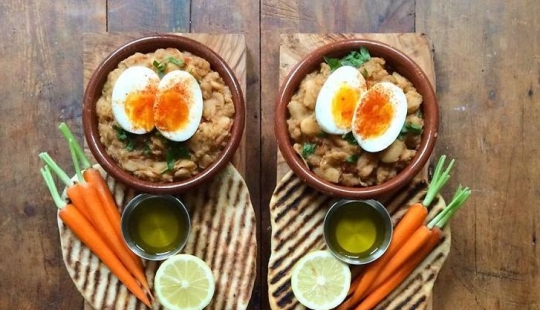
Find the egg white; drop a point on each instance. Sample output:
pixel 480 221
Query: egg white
pixel 398 101
pixel 132 80
pixel 346 76
pixel 193 98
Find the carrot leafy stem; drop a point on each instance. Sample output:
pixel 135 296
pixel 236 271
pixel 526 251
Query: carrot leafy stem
pixel 75 159
pixel 462 194
pixel 439 179
pixel 85 163
pixel 56 169
pixel 47 176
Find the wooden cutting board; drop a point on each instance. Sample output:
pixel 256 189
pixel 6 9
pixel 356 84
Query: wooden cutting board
pixel 211 228
pixel 293 201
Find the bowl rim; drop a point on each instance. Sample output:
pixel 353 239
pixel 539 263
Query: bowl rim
pixel 341 47
pixel 148 44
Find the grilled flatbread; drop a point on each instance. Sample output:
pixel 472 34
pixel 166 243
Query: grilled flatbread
pixel 223 235
pixel 297 213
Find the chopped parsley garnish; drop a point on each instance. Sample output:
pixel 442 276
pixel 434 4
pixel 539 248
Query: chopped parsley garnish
pixel 352 159
pixel 354 58
pixel 125 137
pixel 178 62
pixel 161 66
pixel 175 151
pixel 308 149
pixel 415 129
pixel 349 138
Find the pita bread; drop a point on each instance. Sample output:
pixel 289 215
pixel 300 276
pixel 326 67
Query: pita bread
pixel 223 235
pixel 297 213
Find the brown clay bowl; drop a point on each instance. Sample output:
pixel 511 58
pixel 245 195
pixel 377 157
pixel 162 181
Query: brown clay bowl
pixel 146 45
pixel 400 63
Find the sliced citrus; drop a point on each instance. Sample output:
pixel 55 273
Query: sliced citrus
pixel 184 282
pixel 320 281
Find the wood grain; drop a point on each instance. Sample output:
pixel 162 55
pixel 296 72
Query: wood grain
pixel 42 86
pixel 488 68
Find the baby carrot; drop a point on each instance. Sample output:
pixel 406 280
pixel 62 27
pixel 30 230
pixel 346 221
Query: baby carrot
pixel 384 289
pixel 93 176
pixel 411 221
pixel 108 231
pixel 420 239
pixel 73 190
pixel 102 207
pixel 84 230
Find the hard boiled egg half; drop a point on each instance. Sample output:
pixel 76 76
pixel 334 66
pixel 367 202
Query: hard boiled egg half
pixel 133 99
pixel 140 102
pixel 338 98
pixel 379 116
pixel 179 106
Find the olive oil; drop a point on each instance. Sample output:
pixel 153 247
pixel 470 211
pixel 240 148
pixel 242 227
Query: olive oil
pixel 355 230
pixel 158 226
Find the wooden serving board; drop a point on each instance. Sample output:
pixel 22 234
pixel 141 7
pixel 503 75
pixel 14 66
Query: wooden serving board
pixel 294 202
pixel 223 218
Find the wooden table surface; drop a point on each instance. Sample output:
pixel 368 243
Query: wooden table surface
pixel 487 61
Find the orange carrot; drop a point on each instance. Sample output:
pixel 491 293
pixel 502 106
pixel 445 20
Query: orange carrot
pixel 74 193
pixel 411 221
pixel 102 208
pixel 84 230
pixel 107 231
pixel 421 239
pixel 93 176
pixel 412 246
pixel 384 289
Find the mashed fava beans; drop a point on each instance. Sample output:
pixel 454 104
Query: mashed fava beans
pixel 338 158
pixel 151 156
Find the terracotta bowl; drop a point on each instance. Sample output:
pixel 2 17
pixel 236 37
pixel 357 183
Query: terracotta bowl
pixel 147 45
pixel 400 63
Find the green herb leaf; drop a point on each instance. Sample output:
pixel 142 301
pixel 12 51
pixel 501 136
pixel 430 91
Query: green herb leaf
pixel 364 53
pixel 308 149
pixel 322 134
pixel 125 137
pixel 334 63
pixel 178 62
pixel 414 129
pixel 352 159
pixel 354 58
pixel 160 68
pixel 349 138
pixel 365 73
pixel 175 151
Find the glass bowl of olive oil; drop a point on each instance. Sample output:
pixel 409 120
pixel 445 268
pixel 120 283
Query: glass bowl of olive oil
pixel 357 231
pixel 155 227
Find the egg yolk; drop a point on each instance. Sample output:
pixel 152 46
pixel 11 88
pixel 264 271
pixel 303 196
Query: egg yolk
pixel 374 114
pixel 138 107
pixel 343 105
pixel 172 109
